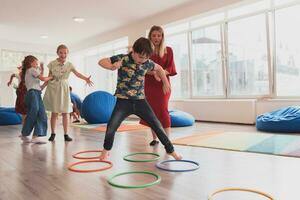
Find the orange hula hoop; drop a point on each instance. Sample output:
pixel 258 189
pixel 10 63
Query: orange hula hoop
pixel 240 189
pixel 70 167
pixel 76 155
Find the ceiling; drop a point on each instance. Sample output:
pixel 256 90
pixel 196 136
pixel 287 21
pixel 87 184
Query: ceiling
pixel 25 21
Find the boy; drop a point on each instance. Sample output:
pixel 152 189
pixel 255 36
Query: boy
pixel 130 95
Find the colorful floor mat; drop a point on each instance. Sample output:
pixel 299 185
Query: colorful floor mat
pixel 125 126
pixel 277 144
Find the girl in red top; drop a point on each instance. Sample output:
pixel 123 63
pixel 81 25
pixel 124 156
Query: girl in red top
pixel 153 87
pixel 20 91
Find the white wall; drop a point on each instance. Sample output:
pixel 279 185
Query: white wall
pixel 7 94
pixel 18 46
pixel 268 105
pixel 242 111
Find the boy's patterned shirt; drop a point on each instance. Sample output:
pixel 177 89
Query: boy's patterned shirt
pixel 131 77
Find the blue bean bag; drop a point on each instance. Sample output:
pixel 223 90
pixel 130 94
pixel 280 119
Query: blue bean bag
pixel 97 107
pixel 180 118
pixel 284 120
pixel 10 118
pixel 7 109
pixel 75 99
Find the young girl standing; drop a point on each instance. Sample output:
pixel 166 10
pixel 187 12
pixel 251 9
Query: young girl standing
pixel 57 96
pixel 36 116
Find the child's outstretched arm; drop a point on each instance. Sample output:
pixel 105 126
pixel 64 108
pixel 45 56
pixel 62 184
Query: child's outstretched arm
pixel 106 64
pixel 10 79
pixel 45 78
pixel 46 82
pixel 162 75
pixel 81 76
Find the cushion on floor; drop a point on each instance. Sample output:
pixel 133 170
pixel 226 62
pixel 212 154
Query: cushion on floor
pixel 180 118
pixel 97 107
pixel 7 109
pixel 10 118
pixel 284 120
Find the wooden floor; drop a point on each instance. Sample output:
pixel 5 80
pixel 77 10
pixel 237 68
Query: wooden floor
pixel 37 172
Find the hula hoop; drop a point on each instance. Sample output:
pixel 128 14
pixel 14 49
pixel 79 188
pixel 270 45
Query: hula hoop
pixel 160 165
pixel 240 189
pixel 82 157
pixel 70 167
pixel 157 181
pixel 143 153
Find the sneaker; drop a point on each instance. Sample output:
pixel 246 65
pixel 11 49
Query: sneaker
pixel 52 137
pixel 36 140
pixel 25 139
pixel 67 138
pixel 153 143
pixel 76 121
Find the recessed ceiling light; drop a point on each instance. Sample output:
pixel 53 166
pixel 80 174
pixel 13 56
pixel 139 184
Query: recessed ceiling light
pixel 43 36
pixel 78 19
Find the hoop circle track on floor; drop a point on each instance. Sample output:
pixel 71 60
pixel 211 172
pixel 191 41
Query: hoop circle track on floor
pixel 160 165
pixel 71 166
pixel 157 181
pixel 141 153
pixel 77 155
pixel 240 189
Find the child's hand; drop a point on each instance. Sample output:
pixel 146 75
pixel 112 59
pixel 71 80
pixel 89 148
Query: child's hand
pixel 156 76
pixel 8 83
pixel 88 81
pixel 49 78
pixel 166 88
pixel 42 66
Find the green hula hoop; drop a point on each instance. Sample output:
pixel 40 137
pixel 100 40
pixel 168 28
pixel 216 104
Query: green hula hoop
pixel 143 153
pixel 157 181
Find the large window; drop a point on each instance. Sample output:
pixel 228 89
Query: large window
pixel 248 50
pixel 288 51
pixel 247 57
pixel 207 74
pixel 103 79
pixel 283 2
pixel 12 59
pixel 180 82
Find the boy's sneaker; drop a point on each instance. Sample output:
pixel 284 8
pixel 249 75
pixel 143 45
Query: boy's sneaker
pixel 67 138
pixel 52 137
pixel 36 140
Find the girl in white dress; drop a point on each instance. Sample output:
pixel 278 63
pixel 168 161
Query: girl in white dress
pixel 57 96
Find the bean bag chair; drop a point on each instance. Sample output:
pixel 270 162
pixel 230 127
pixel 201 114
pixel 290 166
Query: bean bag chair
pixel 10 118
pixel 7 109
pixel 180 118
pixel 284 120
pixel 97 107
pixel 75 99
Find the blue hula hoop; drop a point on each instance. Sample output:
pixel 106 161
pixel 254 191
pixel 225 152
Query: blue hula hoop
pixel 160 165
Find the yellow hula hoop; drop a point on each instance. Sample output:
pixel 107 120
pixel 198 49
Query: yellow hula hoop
pixel 240 189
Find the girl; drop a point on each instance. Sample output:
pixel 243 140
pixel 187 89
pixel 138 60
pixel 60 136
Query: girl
pixel 36 115
pixel 157 99
pixel 20 91
pixel 57 96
